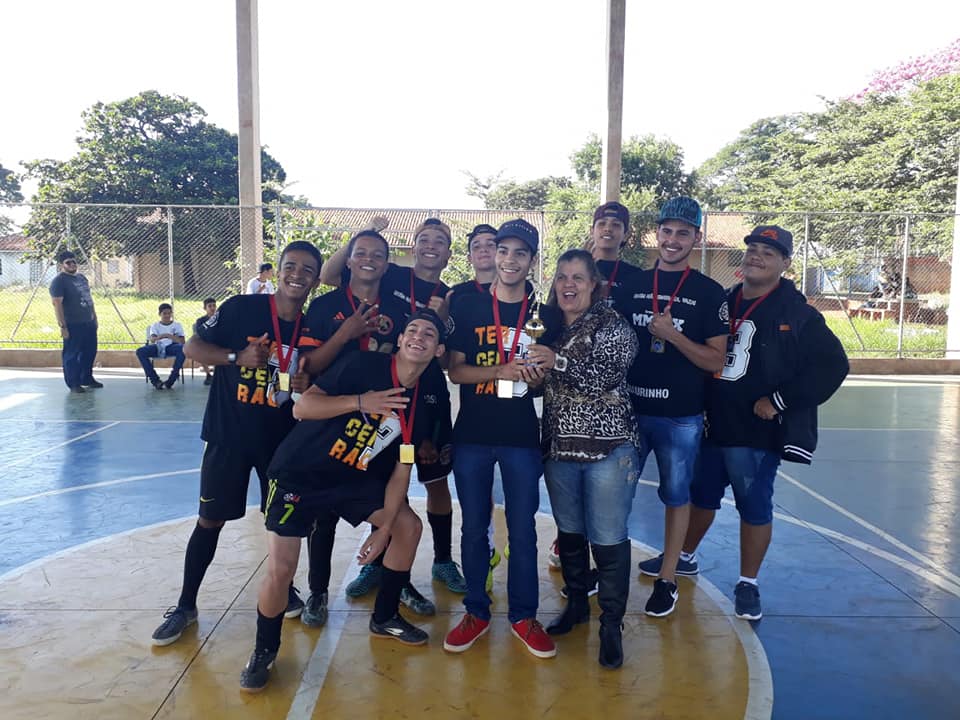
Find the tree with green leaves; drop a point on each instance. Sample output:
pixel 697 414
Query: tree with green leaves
pixel 10 192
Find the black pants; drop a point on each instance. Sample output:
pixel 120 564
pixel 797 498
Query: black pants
pixel 79 352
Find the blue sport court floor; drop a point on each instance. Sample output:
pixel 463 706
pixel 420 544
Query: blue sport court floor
pixel 860 590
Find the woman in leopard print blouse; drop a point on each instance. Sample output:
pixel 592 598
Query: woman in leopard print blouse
pixel 589 437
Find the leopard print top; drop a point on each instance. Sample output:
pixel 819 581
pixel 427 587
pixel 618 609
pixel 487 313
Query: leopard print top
pixel 587 412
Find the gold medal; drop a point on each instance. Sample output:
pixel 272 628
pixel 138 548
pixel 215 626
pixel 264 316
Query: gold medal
pixel 406 453
pixel 505 389
pixel 657 345
pixel 283 381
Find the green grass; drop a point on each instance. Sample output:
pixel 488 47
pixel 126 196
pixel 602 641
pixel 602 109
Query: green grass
pixel 880 337
pixel 39 327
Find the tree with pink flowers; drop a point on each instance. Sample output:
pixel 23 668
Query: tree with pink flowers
pixel 908 74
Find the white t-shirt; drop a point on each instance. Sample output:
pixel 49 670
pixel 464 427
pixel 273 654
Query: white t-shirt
pixel 158 328
pixel 256 287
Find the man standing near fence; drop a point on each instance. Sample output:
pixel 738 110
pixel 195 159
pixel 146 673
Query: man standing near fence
pixel 262 283
pixel 77 318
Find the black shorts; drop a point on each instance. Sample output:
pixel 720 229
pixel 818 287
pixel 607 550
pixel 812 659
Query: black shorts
pixel 291 513
pixel 437 470
pixel 224 478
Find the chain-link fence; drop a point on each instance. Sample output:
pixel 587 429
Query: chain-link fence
pixel 881 280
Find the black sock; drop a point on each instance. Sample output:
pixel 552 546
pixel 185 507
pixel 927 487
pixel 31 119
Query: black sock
pixel 320 550
pixel 200 551
pixel 442 527
pixel 388 598
pixel 268 631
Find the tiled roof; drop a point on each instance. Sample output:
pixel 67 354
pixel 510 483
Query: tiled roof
pixel 13 243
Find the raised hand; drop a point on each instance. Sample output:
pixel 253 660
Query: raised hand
pixel 256 353
pixel 383 402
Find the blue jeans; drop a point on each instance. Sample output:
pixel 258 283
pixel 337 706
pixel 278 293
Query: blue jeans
pixel 675 442
pixel 749 471
pixel 174 350
pixel 520 468
pixel 594 498
pixel 79 352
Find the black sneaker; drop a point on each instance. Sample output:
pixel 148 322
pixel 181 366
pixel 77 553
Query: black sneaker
pixel 255 675
pixel 746 598
pixel 169 384
pixel 398 629
pixel 592 590
pixel 93 384
pixel 77 389
pixel 651 566
pixel 315 611
pixel 208 380
pixel 175 621
pixel 412 598
pixel 663 599
pixel 294 603
pixel 157 383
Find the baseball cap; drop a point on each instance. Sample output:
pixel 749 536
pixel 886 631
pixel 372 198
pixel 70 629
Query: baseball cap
pixel 521 230
pixel 65 255
pixel 481 229
pixel 434 223
pixel 614 210
pixel 773 235
pixel 431 317
pixel 682 208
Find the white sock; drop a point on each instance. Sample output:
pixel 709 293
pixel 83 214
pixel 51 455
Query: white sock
pixel 688 557
pixel 490 533
pixel 752 581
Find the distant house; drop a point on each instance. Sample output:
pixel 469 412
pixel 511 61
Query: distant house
pixel 15 267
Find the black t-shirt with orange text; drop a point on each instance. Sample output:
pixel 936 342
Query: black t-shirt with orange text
pixel 356 446
pixel 245 407
pixel 398 281
pixel 484 418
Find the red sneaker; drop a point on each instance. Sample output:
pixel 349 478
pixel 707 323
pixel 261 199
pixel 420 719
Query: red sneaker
pixel 532 634
pixel 465 634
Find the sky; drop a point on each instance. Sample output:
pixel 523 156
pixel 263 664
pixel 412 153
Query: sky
pixel 389 104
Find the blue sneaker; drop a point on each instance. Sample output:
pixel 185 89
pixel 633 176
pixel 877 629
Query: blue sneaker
pixel 449 574
pixel 651 566
pixel 367 580
pixel 746 598
pixel 411 597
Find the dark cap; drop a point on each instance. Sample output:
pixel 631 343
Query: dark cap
pixel 685 209
pixel 431 317
pixel 65 255
pixel 481 229
pixel 521 230
pixel 614 210
pixel 773 235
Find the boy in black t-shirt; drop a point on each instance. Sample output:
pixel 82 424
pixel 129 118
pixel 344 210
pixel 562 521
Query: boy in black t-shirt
pixel 417 288
pixel 481 253
pixel 497 424
pixel 352 455
pixel 680 317
pixel 608 236
pixel 209 310
pixel 252 340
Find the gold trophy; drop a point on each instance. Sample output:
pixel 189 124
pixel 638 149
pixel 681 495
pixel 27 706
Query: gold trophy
pixel 535 328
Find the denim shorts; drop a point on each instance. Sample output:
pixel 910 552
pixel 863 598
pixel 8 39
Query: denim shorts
pixel 749 471
pixel 675 442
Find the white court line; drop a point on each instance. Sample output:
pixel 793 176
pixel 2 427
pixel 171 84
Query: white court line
pixel 114 422
pixel 315 674
pixel 916 554
pixel 89 486
pixel 15 399
pixel 20 461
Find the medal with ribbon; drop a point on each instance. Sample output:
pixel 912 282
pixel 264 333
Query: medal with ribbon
pixel 505 387
pixel 283 361
pixel 659 345
pixel 407 455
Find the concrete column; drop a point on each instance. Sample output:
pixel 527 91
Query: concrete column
pixel 613 136
pixel 953 310
pixel 248 155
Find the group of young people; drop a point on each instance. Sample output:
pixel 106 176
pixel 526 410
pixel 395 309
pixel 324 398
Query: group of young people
pixel 334 407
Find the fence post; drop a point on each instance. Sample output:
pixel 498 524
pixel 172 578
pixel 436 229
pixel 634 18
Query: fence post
pixel 903 283
pixel 278 230
pixel 806 252
pixel 703 245
pixel 170 251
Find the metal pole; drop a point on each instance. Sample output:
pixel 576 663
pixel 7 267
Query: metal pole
pixel 953 310
pixel 903 283
pixel 613 137
pixel 170 279
pixel 806 253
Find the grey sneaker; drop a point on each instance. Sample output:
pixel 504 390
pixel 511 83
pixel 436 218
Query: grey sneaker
pixel 399 629
pixel 412 598
pixel 367 580
pixel 651 566
pixel 254 677
pixel 294 603
pixel 746 598
pixel 175 621
pixel 315 611
pixel 449 574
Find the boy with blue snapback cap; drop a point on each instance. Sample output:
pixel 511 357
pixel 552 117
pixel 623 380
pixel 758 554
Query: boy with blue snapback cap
pixel 680 318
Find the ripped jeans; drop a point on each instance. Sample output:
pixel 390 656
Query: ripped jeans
pixel 594 498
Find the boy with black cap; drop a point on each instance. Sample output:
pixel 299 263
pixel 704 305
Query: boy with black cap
pixel 782 362
pixel 77 318
pixel 497 425
pixel 679 316
pixel 481 253
pixel 351 456
pixel 608 236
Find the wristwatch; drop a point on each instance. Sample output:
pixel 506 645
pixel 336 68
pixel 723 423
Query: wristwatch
pixel 232 358
pixel 560 363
